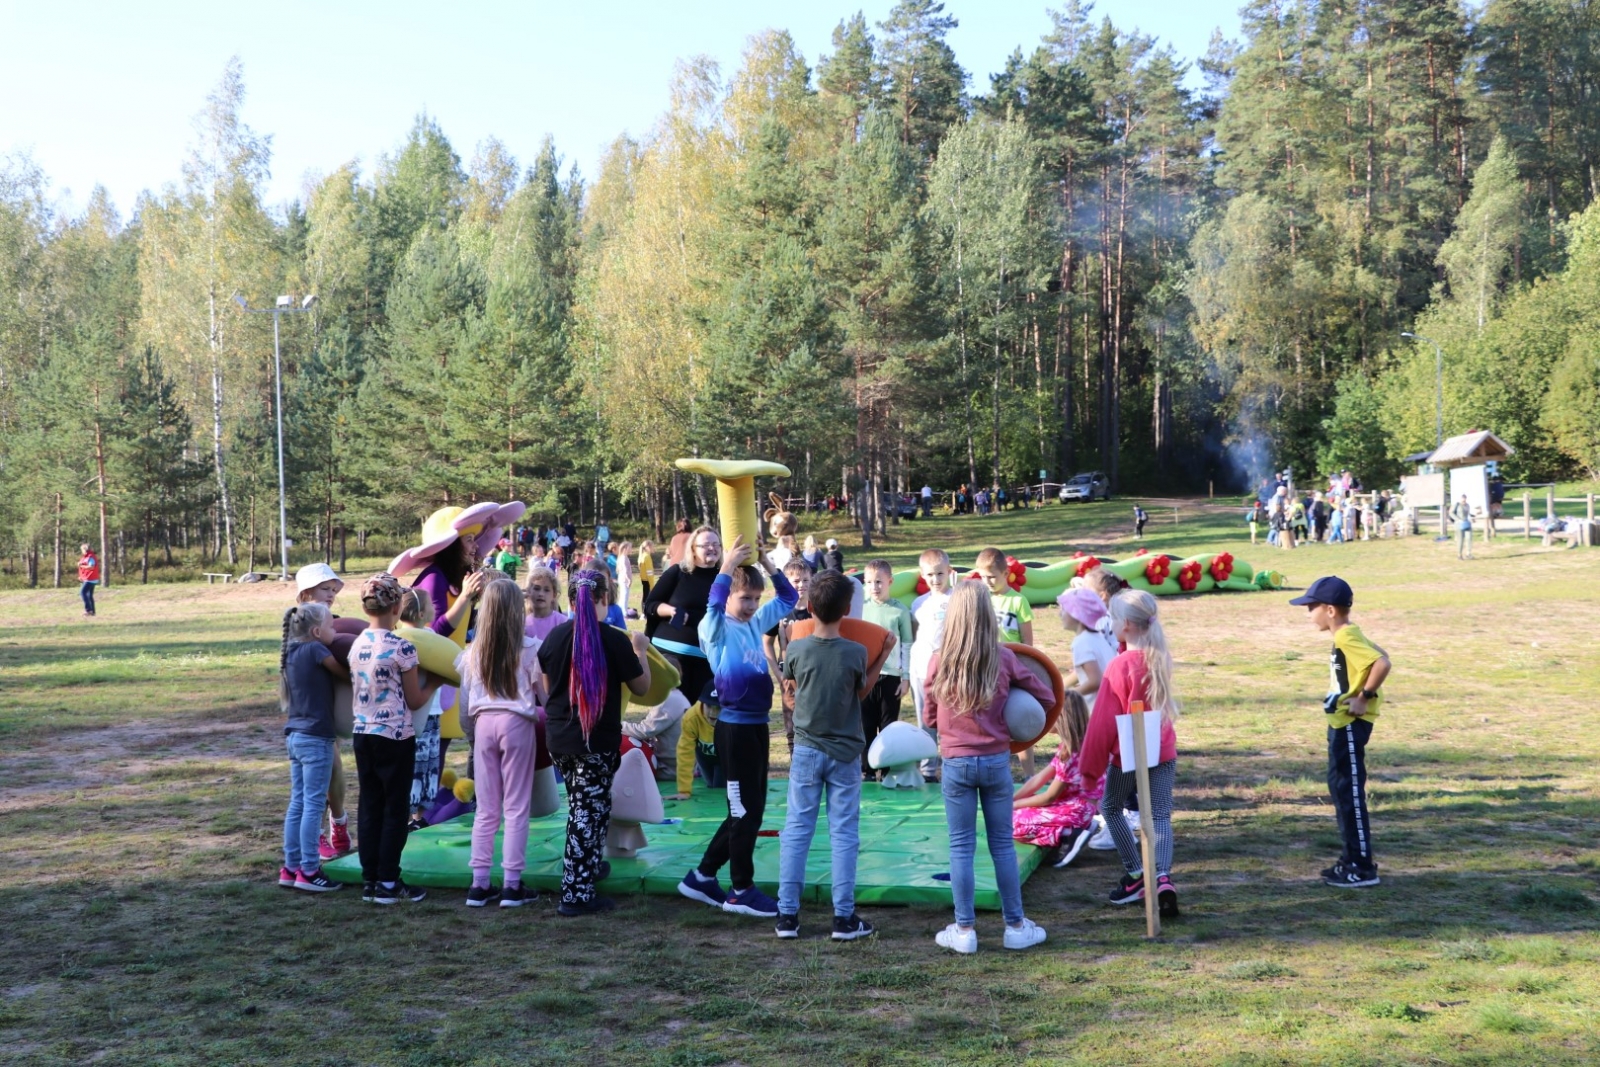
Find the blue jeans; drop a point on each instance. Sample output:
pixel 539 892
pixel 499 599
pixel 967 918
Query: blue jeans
pixel 87 593
pixel 310 767
pixel 811 771
pixel 967 782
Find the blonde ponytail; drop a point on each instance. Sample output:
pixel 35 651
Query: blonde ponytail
pixel 969 658
pixel 1136 609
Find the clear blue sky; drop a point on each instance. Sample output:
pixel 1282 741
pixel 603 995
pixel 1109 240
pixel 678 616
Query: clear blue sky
pixel 105 93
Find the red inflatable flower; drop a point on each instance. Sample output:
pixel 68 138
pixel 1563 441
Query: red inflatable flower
pixel 1156 571
pixel 1142 552
pixel 1086 565
pixel 1189 576
pixel 1016 573
pixel 922 585
pixel 1222 567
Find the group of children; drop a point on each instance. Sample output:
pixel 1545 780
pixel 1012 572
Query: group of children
pixel 534 676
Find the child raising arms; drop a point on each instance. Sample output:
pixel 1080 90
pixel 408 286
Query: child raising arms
pixel 385 691
pixel 501 694
pixel 1053 808
pixel 307 669
pixel 731 633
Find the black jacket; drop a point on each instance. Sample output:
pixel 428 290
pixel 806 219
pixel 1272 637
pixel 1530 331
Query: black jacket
pixel 687 590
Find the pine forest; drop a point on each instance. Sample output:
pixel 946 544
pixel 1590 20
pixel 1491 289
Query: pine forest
pixel 865 265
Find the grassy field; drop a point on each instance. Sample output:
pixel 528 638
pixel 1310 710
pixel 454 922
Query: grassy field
pixel 141 805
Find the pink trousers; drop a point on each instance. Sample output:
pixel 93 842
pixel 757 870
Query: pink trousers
pixel 502 758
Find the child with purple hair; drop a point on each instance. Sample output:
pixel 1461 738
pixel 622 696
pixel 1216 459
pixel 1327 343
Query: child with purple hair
pixel 586 665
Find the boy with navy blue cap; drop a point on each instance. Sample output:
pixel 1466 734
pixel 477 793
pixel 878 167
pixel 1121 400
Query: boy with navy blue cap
pixel 1357 670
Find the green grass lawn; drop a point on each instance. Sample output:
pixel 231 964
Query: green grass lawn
pixel 141 805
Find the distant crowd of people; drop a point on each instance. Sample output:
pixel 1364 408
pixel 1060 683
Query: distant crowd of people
pixel 1341 513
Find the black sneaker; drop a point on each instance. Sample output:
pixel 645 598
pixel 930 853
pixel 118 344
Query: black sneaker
pixel 477 897
pixel 849 927
pixel 592 907
pixel 513 896
pixel 1349 876
pixel 369 891
pixel 788 926
pixel 1072 845
pixel 1166 897
pixel 1129 890
pixel 401 891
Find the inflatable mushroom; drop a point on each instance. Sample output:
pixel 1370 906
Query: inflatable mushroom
pixel 635 798
pixel 736 493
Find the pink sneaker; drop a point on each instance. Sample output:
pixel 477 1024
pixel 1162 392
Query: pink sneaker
pixel 341 840
pixel 286 877
pixel 325 849
pixel 316 882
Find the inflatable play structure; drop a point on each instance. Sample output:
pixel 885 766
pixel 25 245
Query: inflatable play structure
pixel 1154 573
pixel 904 859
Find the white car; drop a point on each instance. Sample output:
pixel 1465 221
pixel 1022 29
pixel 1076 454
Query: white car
pixel 1089 486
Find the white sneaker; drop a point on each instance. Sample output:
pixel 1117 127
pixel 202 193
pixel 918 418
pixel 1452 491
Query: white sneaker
pixel 1101 841
pixel 965 942
pixel 1027 935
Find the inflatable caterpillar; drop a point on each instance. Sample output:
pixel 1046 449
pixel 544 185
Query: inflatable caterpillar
pixel 1154 573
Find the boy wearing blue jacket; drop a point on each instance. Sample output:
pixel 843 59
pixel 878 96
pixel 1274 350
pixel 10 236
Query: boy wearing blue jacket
pixel 730 634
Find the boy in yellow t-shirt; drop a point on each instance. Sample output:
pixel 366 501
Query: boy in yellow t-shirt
pixel 1357 670
pixel 1011 608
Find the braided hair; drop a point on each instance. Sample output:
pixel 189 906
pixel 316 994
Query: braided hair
pixel 299 623
pixel 586 679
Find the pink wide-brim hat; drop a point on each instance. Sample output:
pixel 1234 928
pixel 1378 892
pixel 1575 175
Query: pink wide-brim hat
pixel 483 521
pixel 494 527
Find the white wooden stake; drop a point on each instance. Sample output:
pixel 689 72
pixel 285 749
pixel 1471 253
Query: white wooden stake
pixel 1147 830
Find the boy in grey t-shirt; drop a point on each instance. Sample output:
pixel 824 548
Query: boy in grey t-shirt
pixel 828 676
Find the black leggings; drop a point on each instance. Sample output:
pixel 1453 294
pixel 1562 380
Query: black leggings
pixel 742 751
pixel 881 708
pixel 384 768
pixel 588 778
pixel 694 673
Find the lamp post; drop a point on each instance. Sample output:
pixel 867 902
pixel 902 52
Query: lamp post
pixel 285 305
pixel 1438 395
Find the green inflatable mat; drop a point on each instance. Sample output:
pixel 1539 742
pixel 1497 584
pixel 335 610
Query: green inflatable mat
pixel 904 858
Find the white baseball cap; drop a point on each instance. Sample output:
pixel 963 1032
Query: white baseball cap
pixel 314 574
pixel 832 543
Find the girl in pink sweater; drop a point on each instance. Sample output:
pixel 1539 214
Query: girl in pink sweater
pixel 502 692
pixel 965 697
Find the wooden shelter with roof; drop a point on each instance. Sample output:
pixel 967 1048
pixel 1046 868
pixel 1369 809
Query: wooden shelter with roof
pixel 1461 461
pixel 1465 460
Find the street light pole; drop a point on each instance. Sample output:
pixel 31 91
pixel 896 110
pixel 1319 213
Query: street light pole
pixel 1438 388
pixel 284 306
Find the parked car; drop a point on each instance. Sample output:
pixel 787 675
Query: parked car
pixel 1088 486
pixel 905 505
